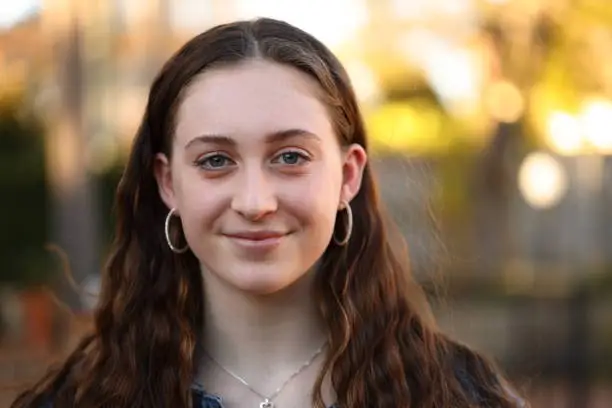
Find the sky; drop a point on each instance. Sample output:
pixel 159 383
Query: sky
pixel 11 11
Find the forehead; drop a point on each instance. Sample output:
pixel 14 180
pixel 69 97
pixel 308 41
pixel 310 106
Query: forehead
pixel 251 98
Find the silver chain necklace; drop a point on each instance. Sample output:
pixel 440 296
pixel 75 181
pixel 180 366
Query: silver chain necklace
pixel 268 401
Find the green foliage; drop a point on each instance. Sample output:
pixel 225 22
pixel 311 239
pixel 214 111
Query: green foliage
pixel 23 221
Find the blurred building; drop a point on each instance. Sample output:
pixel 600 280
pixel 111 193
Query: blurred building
pixel 19 48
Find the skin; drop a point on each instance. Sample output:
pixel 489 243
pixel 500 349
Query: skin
pixel 258 177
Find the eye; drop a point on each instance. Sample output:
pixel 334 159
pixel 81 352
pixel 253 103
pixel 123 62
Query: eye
pixel 291 158
pixel 215 161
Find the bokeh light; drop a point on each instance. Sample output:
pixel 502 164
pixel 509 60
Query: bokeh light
pixel 542 180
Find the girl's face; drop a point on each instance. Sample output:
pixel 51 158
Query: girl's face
pixel 257 174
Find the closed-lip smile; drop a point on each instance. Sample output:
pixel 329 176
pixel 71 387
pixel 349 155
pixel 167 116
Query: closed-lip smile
pixel 257 239
pixel 255 235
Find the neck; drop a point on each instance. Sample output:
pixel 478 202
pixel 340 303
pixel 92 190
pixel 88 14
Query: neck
pixel 252 334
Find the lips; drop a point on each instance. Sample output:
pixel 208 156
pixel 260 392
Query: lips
pixel 256 235
pixel 257 240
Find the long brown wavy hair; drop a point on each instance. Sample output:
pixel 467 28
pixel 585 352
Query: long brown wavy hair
pixel 384 350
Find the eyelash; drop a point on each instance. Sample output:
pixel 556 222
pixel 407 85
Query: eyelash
pixel 201 162
pixel 302 157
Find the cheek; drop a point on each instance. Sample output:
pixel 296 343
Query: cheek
pixel 314 199
pixel 200 203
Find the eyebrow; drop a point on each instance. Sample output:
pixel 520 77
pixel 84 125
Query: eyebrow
pixel 274 137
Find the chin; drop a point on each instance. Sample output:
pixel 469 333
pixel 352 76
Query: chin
pixel 261 288
pixel 263 280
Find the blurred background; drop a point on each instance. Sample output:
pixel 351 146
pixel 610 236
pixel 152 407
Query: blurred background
pixel 491 130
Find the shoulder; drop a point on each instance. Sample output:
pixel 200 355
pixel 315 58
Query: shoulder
pixel 200 399
pixel 480 381
pixel 480 397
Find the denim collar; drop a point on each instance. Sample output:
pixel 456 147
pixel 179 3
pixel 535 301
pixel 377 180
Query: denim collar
pixel 203 399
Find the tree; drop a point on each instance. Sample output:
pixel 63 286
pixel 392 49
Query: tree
pixel 24 205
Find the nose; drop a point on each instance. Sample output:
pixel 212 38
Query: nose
pixel 254 197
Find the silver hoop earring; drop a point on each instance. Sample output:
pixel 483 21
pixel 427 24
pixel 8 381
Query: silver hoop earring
pixel 167 231
pixel 348 227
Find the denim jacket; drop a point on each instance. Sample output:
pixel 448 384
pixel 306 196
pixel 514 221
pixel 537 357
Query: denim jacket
pixel 202 399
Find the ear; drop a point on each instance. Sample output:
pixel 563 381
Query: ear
pixel 163 175
pixel 355 159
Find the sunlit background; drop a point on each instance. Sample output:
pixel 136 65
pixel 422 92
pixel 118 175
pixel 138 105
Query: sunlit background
pixel 491 126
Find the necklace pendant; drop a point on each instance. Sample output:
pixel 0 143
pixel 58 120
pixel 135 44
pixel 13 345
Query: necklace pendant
pixel 266 404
